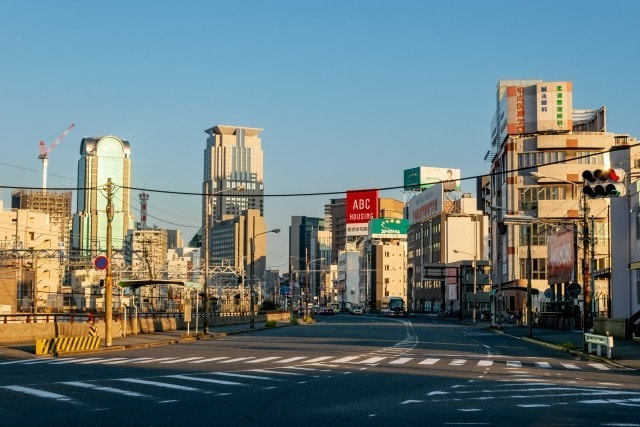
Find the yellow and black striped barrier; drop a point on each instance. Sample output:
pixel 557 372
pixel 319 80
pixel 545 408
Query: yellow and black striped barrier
pixel 66 344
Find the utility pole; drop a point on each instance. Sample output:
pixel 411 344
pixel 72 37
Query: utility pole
pixel 108 283
pixel 585 268
pixel 529 274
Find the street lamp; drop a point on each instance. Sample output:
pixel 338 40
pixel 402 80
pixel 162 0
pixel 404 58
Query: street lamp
pixel 205 290
pixel 252 322
pixel 473 267
pixel 528 220
pixel 306 310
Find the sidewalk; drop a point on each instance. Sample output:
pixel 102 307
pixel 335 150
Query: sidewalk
pixel 625 352
pixel 27 351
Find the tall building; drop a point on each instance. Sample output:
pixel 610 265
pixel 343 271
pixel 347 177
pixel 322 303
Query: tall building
pixel 102 158
pixel 231 243
pixel 308 244
pixel 540 146
pixel 232 159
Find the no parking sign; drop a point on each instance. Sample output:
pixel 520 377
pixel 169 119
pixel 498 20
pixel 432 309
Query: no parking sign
pixel 101 262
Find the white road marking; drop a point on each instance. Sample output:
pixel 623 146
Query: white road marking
pixel 158 384
pixel 485 362
pixel 39 393
pixel 73 360
pixel 318 359
pixel 156 360
pixel 514 364
pixel 429 362
pixel 401 361
pixel 600 366
pixel 570 366
pixel 346 359
pixel 204 380
pixel 106 389
pixel 237 359
pixel 117 362
pixel 211 359
pixel 24 361
pixel 252 377
pixel 371 360
pixel 458 362
pixel 291 359
pixel 91 362
pixel 186 359
pixel 268 371
pixel 36 362
pixel 264 359
pixel 543 365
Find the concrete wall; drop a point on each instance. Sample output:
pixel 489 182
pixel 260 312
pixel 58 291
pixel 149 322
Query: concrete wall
pixel 616 327
pixel 21 333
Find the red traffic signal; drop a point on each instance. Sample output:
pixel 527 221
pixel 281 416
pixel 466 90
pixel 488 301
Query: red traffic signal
pixel 604 182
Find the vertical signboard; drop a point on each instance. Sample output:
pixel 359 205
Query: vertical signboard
pixel 554 106
pixel 560 257
pixel 362 206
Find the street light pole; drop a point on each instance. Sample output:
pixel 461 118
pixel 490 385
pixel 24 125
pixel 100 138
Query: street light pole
pixel 207 225
pixel 307 284
pixel 252 320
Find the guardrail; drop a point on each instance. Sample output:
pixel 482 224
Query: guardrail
pixel 599 341
pixel 99 317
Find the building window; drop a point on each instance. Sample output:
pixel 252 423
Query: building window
pixel 529 196
pixel 538 268
pixel 538 234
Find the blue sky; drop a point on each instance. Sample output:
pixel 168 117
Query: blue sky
pixel 349 93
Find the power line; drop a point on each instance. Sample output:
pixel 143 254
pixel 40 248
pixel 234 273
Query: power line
pixel 339 192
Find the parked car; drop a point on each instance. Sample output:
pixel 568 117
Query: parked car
pixel 356 309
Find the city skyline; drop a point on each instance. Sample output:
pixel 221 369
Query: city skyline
pixel 348 96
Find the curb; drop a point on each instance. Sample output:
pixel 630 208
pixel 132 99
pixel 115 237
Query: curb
pixel 570 351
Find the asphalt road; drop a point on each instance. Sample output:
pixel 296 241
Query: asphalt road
pixel 344 370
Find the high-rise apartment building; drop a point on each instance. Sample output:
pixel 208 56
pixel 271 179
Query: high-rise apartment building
pixel 102 158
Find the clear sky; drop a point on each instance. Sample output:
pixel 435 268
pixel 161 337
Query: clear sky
pixel 349 93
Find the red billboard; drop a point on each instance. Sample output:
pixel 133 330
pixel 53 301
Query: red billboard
pixel 560 258
pixel 362 206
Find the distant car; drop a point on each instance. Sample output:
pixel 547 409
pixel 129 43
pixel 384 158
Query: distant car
pixel 328 310
pixel 357 310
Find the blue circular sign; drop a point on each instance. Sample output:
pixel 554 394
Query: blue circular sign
pixel 101 262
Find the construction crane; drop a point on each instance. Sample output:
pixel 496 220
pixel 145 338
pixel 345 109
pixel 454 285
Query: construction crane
pixel 44 155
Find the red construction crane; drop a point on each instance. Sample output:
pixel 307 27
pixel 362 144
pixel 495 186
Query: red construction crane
pixel 44 155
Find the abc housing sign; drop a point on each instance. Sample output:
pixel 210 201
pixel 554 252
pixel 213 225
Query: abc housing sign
pixel 362 206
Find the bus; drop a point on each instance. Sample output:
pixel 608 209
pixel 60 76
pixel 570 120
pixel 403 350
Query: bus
pixel 392 306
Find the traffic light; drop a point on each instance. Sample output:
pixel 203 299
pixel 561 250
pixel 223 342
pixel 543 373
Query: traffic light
pixel 604 183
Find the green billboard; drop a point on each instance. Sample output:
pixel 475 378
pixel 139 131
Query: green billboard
pixel 380 228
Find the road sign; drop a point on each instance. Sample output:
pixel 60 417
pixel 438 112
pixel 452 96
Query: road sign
pixel 101 262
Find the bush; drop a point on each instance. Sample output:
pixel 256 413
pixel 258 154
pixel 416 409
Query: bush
pixel 293 321
pixel 270 324
pixel 568 346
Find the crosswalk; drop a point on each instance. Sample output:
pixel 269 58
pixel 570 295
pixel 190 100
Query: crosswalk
pixel 327 361
pixel 159 388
